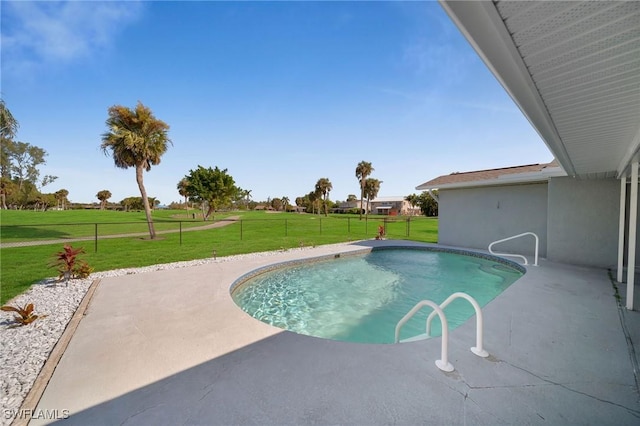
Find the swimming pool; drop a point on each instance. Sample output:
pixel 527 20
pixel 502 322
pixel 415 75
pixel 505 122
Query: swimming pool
pixel 361 298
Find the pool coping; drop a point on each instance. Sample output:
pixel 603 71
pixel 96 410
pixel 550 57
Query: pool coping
pixel 292 263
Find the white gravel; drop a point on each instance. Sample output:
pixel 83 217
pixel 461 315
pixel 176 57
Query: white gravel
pixel 24 349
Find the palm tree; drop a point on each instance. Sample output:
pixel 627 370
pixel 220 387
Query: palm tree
pixel 136 139
pixel 285 202
pixel 313 197
pixel 183 190
pixel 61 197
pixel 323 187
pixel 247 196
pixel 371 188
pixel 103 196
pixel 363 171
pixel 413 200
pixel 8 124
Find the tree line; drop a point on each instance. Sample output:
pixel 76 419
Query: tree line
pixel 137 139
pixel 20 182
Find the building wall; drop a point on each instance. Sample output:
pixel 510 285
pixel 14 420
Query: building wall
pixel 583 221
pixel 400 207
pixel 475 217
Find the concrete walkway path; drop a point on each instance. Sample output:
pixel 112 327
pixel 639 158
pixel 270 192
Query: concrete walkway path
pixel 171 348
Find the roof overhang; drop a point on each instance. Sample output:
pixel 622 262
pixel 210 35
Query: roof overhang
pixel 573 69
pixel 508 179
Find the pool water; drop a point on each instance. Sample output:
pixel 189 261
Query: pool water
pixel 362 298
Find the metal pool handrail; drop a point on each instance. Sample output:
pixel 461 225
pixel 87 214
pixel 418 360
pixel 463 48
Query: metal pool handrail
pixel 517 255
pixel 477 349
pixel 443 363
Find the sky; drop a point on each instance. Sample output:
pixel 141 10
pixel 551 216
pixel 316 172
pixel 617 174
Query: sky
pixel 280 94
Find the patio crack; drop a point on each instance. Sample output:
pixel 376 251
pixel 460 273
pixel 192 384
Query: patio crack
pixel 634 412
pixel 126 420
pixel 467 398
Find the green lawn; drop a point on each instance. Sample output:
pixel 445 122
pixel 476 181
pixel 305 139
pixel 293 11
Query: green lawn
pixel 21 225
pixel 20 267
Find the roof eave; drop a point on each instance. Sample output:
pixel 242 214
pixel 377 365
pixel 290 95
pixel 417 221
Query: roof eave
pixel 484 29
pixel 520 178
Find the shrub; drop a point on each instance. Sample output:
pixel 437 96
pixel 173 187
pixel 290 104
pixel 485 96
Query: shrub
pixel 69 265
pixel 24 315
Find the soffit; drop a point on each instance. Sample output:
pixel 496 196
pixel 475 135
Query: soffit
pixel 573 68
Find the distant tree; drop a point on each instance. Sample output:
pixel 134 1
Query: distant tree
pixel 242 198
pixel 323 187
pixel 6 188
pixel 103 196
pixel 313 198
pixel 183 186
pixel 126 204
pixel 44 201
pixel 427 204
pixel 276 203
pixel 25 197
pixel 214 187
pixel 24 160
pixel 363 171
pixel 6 148
pixel 371 189
pixel 8 124
pixel 20 163
pixel 61 198
pixel 412 199
pixel 133 203
pixel 352 197
pixel 8 129
pixel 246 195
pixel 285 203
pixel 136 138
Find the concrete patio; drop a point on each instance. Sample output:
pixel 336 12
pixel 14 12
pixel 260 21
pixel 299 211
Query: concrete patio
pixel 171 347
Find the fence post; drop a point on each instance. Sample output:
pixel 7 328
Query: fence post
pixel 95 244
pixel 180 232
pixel 349 225
pixel 286 228
pixel 240 229
pixel 408 225
pixel 320 226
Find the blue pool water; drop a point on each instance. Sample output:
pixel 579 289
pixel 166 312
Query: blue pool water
pixel 362 298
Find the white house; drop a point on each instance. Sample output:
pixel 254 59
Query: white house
pixel 573 69
pixel 392 206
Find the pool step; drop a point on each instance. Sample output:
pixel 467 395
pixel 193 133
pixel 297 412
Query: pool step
pixel 423 336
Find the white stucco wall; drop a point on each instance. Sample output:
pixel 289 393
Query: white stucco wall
pixel 583 221
pixel 476 217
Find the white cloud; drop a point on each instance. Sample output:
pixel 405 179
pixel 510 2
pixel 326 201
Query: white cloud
pixel 41 33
